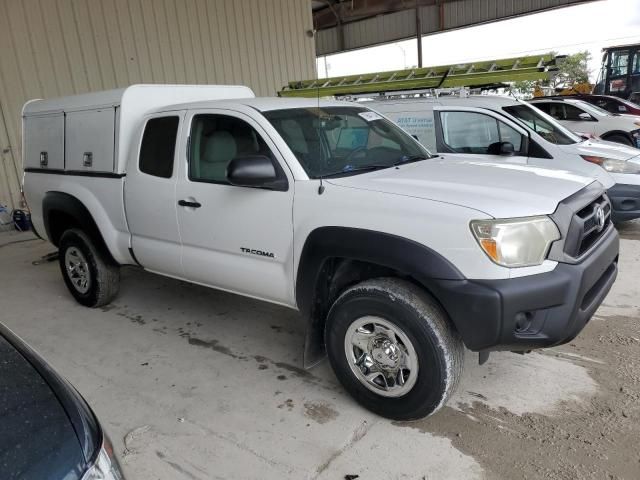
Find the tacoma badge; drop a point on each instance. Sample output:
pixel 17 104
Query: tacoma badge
pixel 257 252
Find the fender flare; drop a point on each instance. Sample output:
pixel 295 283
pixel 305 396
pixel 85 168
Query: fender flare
pixel 72 207
pixel 621 133
pixel 400 254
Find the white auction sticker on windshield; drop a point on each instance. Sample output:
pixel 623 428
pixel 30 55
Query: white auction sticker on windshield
pixel 370 116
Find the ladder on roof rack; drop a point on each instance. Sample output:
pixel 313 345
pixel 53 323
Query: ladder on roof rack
pixel 476 74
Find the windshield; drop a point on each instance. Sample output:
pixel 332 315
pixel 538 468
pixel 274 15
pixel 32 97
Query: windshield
pixel 628 103
pixel 589 107
pixel 543 124
pixel 335 141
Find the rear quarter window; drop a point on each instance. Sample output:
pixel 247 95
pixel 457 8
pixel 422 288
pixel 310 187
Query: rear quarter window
pixel 158 146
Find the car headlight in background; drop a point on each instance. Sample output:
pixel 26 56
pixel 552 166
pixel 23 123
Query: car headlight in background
pixel 614 165
pixel 516 242
pixel 106 466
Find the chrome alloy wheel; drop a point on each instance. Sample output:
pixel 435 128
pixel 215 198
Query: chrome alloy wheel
pixel 77 269
pixel 381 356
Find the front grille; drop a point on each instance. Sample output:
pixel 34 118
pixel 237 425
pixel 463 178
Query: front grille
pixel 586 228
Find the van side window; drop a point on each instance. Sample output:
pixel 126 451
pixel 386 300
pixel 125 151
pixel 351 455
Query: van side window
pixel 218 139
pixel 470 132
pixel 158 146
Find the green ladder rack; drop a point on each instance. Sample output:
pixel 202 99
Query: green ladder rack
pixel 476 74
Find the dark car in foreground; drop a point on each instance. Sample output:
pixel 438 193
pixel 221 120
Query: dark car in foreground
pixel 48 431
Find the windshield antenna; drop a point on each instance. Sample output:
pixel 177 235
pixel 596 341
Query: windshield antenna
pixel 321 187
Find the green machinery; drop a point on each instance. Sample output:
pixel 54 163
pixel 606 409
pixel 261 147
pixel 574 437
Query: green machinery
pixel 490 73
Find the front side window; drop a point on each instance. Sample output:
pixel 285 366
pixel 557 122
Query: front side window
pixel 336 141
pixel 573 113
pixel 218 139
pixel 470 132
pixel 158 146
pixel 543 125
pixel 556 110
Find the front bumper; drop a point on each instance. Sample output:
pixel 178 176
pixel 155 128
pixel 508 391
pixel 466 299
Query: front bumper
pixel 532 312
pixel 625 200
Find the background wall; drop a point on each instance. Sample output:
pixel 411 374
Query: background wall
pixel 50 48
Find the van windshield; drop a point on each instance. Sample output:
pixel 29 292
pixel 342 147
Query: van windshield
pixel 339 141
pixel 591 108
pixel 543 124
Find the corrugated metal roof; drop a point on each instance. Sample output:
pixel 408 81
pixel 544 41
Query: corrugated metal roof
pixel 441 16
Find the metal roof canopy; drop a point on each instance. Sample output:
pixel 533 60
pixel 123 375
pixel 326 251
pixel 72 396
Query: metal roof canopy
pixel 343 25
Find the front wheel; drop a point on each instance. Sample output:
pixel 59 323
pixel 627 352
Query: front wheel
pixel 91 278
pixel 393 348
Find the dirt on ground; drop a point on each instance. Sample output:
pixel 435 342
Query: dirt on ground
pixel 596 439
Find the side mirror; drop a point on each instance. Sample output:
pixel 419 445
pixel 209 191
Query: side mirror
pixel 256 171
pixel 585 116
pixel 501 148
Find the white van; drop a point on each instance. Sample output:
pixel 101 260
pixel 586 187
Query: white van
pixel 498 129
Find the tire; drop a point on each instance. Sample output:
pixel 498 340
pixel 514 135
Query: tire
pixel 620 139
pixel 410 317
pixel 92 279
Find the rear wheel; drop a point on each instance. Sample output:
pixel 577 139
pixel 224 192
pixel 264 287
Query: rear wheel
pixel 91 278
pixel 393 348
pixel 620 139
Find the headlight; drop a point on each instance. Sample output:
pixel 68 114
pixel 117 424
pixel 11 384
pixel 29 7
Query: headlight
pixel 613 165
pixel 516 242
pixel 106 466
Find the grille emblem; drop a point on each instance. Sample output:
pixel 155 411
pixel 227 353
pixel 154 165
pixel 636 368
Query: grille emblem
pixel 599 214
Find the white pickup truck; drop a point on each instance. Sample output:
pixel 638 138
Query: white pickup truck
pixel 396 258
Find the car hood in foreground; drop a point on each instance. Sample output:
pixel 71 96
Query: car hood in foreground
pixel 37 440
pixel 499 190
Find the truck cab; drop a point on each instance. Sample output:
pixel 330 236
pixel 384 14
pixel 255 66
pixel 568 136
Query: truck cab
pixel 396 259
pixel 620 72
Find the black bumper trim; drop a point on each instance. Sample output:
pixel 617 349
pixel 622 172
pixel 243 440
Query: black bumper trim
pixel 625 200
pixel 535 311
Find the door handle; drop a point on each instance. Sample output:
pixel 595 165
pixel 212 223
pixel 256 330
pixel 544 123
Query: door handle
pixel 186 203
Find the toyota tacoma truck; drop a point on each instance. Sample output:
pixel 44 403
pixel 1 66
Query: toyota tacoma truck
pixel 396 258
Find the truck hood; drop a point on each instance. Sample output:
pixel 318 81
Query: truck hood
pixel 498 190
pixel 602 148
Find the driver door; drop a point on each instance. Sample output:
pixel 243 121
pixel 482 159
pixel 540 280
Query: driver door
pixel 234 238
pixel 476 134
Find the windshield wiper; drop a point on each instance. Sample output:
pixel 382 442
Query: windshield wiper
pixel 412 158
pixel 369 168
pixel 364 168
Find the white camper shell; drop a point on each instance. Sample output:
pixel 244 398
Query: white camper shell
pixel 60 134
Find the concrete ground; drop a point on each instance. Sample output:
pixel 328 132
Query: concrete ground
pixel 194 384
